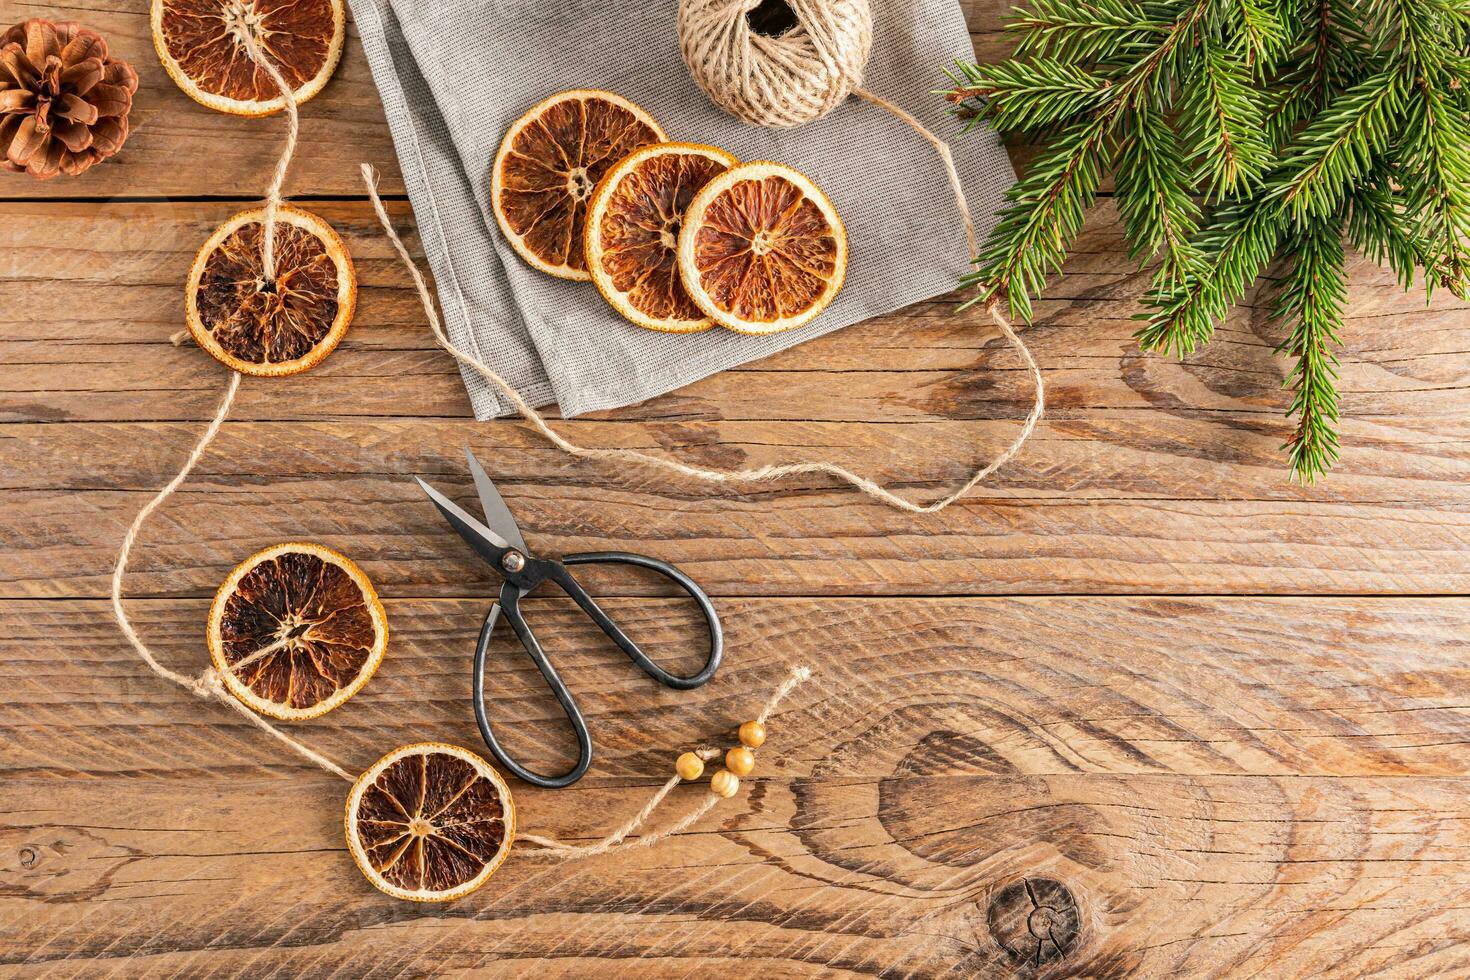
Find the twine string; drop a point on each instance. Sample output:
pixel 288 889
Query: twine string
pixel 274 193
pixel 209 685
pixel 554 848
pixel 799 75
pixel 762 473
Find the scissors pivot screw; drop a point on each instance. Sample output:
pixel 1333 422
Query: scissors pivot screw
pixel 513 561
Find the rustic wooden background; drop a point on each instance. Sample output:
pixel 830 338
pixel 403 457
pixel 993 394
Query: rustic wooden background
pixel 1208 722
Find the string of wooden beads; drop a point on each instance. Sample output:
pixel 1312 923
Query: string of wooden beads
pixel 739 761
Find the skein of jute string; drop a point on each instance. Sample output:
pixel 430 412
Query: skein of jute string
pixel 800 75
pixel 208 685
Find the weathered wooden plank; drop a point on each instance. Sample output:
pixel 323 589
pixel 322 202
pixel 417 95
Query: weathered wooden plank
pixel 108 280
pixel 1068 520
pixel 1226 787
pixel 1154 474
pixel 180 149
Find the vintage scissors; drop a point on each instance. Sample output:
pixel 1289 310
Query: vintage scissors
pixel 498 541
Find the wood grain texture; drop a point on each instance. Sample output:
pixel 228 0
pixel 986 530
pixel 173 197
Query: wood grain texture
pixel 1149 475
pixel 1042 741
pixel 1226 787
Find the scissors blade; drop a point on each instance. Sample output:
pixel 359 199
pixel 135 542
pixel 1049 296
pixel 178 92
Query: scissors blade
pixel 497 515
pixel 487 544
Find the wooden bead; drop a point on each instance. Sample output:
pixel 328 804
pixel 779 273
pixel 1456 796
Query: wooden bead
pixel 740 760
pixel 724 783
pixel 753 734
pixel 689 766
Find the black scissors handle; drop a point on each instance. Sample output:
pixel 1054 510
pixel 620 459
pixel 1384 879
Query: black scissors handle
pixel 678 682
pixel 510 596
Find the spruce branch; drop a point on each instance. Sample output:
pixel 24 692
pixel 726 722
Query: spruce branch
pixel 1083 30
pixel 1311 298
pixel 1025 96
pixel 1238 134
pixel 1153 190
pixel 1377 227
pixel 1338 147
pixel 1238 243
pixel 1046 211
pixel 1259 29
pixel 1221 122
pixel 1048 205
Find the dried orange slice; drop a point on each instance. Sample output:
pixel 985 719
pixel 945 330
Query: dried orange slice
pixel 430 822
pixel 296 630
pixel 632 237
pixel 202 46
pixel 549 162
pixel 279 327
pixel 762 249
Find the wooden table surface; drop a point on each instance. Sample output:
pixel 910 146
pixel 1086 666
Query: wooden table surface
pixel 1211 722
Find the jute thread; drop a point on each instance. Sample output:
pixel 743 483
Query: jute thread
pixel 273 194
pixel 700 473
pixel 797 677
pixel 788 80
pixel 209 685
pixel 774 82
pixel 275 191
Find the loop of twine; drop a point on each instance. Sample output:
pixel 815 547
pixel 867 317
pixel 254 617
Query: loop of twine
pixel 762 473
pixel 782 81
pixel 800 75
pixel 209 685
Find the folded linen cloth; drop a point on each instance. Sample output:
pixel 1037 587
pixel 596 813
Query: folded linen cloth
pixel 454 74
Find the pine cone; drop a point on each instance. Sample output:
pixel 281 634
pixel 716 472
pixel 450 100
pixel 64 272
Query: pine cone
pixel 63 103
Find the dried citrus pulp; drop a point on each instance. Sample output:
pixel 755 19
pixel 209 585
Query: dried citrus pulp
pixel 202 44
pixel 632 235
pixel 430 822
pixel 549 162
pixel 296 630
pixel 762 249
pixel 274 327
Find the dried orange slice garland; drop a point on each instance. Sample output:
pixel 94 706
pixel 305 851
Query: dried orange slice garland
pixel 271 327
pixel 296 630
pixel 203 47
pixel 430 822
pixel 549 162
pixel 762 249
pixel 633 222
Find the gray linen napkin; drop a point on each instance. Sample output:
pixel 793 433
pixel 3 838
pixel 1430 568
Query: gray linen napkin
pixel 454 74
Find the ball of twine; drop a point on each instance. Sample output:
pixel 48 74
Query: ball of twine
pixel 776 63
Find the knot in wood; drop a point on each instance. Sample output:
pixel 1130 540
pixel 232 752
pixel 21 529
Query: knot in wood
pixel 1035 920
